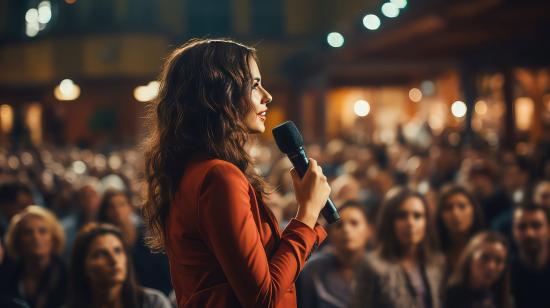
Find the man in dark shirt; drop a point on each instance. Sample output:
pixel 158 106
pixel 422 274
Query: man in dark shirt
pixel 531 266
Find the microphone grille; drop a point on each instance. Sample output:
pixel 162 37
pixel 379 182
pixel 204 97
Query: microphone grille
pixel 288 137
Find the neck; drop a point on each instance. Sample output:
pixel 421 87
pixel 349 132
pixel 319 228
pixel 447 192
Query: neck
pixel 36 265
pixel 129 231
pixel 410 257
pixel 107 296
pixel 477 286
pixel 535 261
pixel 349 259
pixel 411 253
pixel 459 240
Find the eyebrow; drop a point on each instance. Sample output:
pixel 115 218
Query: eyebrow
pixel 257 79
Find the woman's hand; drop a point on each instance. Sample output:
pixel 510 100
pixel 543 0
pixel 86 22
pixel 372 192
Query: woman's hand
pixel 312 192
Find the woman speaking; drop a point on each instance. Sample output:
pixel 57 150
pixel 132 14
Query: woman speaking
pixel 204 202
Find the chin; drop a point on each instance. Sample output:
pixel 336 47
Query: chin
pixel 257 130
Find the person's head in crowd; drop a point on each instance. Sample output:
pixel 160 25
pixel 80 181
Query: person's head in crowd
pixel 14 197
pixel 481 179
pixel 115 207
pixel 380 181
pixel 484 266
pixel 349 236
pixel 515 175
pixel 541 193
pixel 34 235
pixel 404 225
pixel 101 269
pixel 345 187
pixel 458 218
pixel 531 232
pixel 88 201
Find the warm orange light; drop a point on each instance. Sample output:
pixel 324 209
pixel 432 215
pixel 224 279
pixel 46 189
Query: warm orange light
pixel 481 107
pixel 525 108
pixel 415 95
pixel 6 118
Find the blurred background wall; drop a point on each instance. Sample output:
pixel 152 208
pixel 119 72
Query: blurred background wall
pixel 82 72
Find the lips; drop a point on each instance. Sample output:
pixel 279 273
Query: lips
pixel 262 115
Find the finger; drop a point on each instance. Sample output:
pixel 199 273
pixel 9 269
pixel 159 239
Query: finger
pixel 312 164
pixel 295 176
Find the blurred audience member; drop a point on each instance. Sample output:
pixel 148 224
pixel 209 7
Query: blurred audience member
pixel 541 194
pixel 35 240
pixel 152 269
pixel 345 187
pixel 14 197
pixel 493 200
pixel 458 218
pixel 404 270
pixel 531 266
pixel 481 279
pixel 329 278
pixel 102 274
pixel 87 202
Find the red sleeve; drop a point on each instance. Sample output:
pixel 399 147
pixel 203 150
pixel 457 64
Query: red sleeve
pixel 227 225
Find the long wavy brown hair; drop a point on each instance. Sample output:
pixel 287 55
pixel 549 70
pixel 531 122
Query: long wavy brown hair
pixel 205 89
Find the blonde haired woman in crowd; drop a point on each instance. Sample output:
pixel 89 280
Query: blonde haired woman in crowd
pixel 35 273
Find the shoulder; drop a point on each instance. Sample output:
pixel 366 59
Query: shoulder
pixel 375 264
pixel 154 299
pixel 222 173
pixel 320 261
pixel 437 259
pixel 221 167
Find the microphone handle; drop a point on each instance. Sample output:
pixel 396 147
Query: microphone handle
pixel 300 162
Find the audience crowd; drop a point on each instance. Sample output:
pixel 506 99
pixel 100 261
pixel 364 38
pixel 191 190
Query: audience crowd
pixel 445 223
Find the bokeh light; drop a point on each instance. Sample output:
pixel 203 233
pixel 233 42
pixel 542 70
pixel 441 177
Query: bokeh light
pixel 427 87
pixel 335 39
pixel 148 92
pixel 400 4
pixel 415 95
pixel 361 108
pixel 371 22
pixel 390 10
pixel 458 109
pixel 481 107
pixel 67 90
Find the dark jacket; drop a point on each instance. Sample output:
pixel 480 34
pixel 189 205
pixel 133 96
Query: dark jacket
pixel 51 289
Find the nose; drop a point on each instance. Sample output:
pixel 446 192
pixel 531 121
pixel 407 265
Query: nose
pixel 112 258
pixel 267 98
pixel 530 232
pixel 410 221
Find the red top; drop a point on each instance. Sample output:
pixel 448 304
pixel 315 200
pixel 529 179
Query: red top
pixel 225 248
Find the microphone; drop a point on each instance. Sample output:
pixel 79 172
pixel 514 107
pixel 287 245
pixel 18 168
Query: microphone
pixel 290 141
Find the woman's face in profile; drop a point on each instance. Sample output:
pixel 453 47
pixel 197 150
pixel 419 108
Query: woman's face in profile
pixel 255 119
pixel 36 237
pixel 106 262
